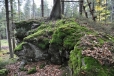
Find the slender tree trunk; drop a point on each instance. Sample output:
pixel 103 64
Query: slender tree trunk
pixel 80 6
pixel 33 10
pixel 63 7
pixel 105 11
pixel 8 30
pixel 85 12
pixel 0 43
pixel 112 10
pixel 42 7
pixel 91 10
pixel 19 15
pixel 13 37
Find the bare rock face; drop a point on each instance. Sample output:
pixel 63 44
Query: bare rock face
pixel 55 55
pixel 31 53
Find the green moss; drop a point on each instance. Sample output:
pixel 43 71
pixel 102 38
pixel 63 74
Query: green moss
pixel 69 42
pixel 92 66
pixel 63 33
pixel 19 46
pixel 68 35
pixel 32 70
pixel 41 30
pixel 23 69
pixel 75 60
pixel 3 72
pixel 43 43
pixel 45 31
pixel 104 38
pixel 87 66
pixel 42 66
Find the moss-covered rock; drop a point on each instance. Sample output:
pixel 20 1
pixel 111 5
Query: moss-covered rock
pixel 91 53
pixel 64 39
pixel 23 28
pixel 19 46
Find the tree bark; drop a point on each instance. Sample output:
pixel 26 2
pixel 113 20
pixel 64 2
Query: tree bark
pixel 42 7
pixel 0 43
pixel 63 7
pixel 8 30
pixel 85 12
pixel 80 6
pixel 13 37
pixel 54 2
pixel 33 10
pixel 91 10
pixel 19 15
pixel 56 10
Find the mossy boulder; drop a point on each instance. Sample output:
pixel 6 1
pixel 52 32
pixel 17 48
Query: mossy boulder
pixel 89 53
pixel 55 38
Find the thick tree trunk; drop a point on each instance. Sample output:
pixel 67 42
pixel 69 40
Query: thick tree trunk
pixel 54 2
pixel 56 10
pixel 8 30
pixel 42 7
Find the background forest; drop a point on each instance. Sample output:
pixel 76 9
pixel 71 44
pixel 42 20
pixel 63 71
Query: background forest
pixel 28 9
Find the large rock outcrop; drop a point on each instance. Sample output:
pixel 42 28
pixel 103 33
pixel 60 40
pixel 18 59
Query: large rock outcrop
pixel 89 53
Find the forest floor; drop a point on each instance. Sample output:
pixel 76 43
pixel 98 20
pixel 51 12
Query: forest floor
pixel 42 69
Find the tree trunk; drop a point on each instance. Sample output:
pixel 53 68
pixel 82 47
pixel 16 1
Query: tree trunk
pixel 80 6
pixel 106 12
pixel 33 10
pixel 63 7
pixel 13 37
pixel 42 7
pixel 56 10
pixel 0 43
pixel 19 10
pixel 54 2
pixel 8 30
